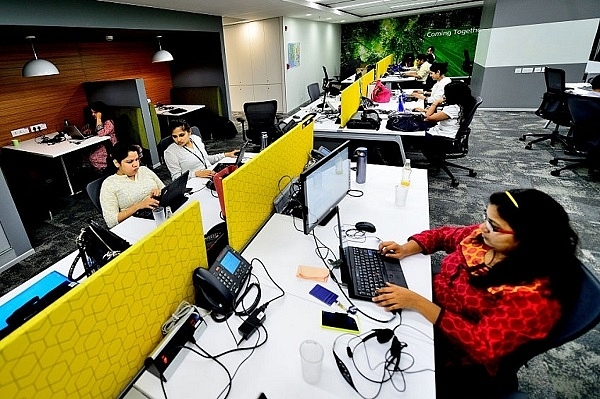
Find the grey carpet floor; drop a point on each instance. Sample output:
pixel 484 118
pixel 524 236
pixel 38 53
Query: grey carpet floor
pixel 571 371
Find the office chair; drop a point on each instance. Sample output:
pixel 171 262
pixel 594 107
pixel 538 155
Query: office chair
pixel 439 150
pixel 331 86
pixel 553 108
pixel 584 113
pixel 313 91
pixel 261 117
pixel 576 321
pixel 467 64
pixel 93 191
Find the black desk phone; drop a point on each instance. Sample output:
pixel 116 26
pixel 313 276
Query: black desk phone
pixel 217 288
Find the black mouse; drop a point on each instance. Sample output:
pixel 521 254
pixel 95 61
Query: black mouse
pixel 365 226
pixel 210 185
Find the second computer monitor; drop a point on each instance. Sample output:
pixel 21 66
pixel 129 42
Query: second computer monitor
pixel 324 184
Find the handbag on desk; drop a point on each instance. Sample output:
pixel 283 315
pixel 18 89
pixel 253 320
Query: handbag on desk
pixel 406 122
pixel 381 94
pixel 96 247
pixel 367 119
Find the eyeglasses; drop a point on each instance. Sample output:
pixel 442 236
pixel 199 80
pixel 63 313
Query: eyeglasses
pixel 493 228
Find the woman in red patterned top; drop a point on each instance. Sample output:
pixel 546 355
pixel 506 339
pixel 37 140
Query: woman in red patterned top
pixel 104 127
pixel 503 283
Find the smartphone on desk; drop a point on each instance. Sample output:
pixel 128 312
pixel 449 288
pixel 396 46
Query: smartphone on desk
pixel 339 321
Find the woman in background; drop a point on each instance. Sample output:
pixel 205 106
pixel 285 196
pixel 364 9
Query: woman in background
pixel 458 102
pixel 131 188
pixel 188 153
pixel 104 127
pixel 503 283
pixel 437 72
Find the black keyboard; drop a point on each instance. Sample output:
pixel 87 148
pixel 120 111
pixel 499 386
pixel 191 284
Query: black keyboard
pixel 369 271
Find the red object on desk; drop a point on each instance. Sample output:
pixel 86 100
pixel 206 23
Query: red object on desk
pixel 218 180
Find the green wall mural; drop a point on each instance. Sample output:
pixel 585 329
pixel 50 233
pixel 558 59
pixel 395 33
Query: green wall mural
pixel 451 32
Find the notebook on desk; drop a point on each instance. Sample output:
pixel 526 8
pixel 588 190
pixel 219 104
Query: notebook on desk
pixel 364 270
pixel 172 195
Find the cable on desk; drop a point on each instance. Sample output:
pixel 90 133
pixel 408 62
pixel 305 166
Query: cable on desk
pixel 273 281
pixel 355 193
pixel 209 356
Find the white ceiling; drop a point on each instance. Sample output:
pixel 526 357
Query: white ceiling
pixel 334 11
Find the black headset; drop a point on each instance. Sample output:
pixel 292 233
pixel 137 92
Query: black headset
pixel 383 335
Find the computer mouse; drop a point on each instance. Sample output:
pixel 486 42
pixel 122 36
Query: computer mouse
pixel 210 185
pixel 365 226
pixel 296 117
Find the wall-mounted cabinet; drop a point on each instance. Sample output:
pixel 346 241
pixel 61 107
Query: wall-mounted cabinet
pixel 254 62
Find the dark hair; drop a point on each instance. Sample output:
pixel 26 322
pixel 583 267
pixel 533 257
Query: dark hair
pixel 432 49
pixel 546 243
pixel 422 57
pixel 429 58
pixel 596 83
pixel 439 66
pixel 459 93
pixel 121 150
pixel 182 123
pixel 99 106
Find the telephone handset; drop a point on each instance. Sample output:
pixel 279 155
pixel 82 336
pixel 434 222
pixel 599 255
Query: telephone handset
pixel 217 288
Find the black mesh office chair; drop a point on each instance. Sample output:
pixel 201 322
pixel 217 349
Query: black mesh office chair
pixel 333 86
pixel 574 322
pixel 93 191
pixel 585 116
pixel 313 91
pixel 261 117
pixel 439 150
pixel 553 108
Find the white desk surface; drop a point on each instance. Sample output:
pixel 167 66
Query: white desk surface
pixel 275 368
pixel 164 109
pixel 397 78
pixel 58 149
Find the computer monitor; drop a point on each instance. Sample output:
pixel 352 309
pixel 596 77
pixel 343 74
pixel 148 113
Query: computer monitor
pixel 324 184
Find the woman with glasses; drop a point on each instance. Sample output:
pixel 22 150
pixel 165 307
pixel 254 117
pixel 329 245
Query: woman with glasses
pixel 188 153
pixel 503 283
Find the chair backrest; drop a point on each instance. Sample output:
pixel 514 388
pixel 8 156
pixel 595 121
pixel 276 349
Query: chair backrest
pixel 461 140
pixel 313 91
pixel 555 80
pixel 261 118
pixel 162 146
pixel 584 113
pixel 195 130
pixel 576 321
pixel 93 191
pixel 467 119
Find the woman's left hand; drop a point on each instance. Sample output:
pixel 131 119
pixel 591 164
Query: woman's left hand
pixel 155 193
pixel 231 154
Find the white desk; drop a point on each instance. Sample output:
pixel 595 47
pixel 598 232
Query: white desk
pixel 57 150
pixel 394 78
pixel 327 128
pixel 275 367
pixel 165 110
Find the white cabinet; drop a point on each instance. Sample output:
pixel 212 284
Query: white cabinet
pixel 254 62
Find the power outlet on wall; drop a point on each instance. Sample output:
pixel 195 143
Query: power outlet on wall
pixel 19 132
pixel 39 127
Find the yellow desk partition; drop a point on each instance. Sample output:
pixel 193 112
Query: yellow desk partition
pixel 382 66
pixel 366 80
pixel 350 100
pixel 250 190
pixel 92 341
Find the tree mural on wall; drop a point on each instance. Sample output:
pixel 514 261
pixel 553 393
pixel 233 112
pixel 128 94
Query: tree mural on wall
pixel 451 32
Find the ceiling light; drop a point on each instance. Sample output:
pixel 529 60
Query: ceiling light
pixel 38 66
pixel 161 55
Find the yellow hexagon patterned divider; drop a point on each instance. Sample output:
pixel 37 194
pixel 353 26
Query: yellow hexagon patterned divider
pixel 92 341
pixel 249 191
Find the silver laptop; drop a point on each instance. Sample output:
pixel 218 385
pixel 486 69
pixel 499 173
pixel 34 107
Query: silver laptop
pixel 75 133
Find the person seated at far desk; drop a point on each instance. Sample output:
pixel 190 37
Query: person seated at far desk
pixel 104 126
pixel 504 282
pixel 188 152
pixel 458 102
pixel 131 188
pixel 419 72
pixel 438 73
pixel 596 86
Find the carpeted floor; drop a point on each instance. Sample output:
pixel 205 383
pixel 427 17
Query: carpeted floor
pixel 571 371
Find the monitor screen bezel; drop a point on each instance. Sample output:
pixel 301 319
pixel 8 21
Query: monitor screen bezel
pixel 304 177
